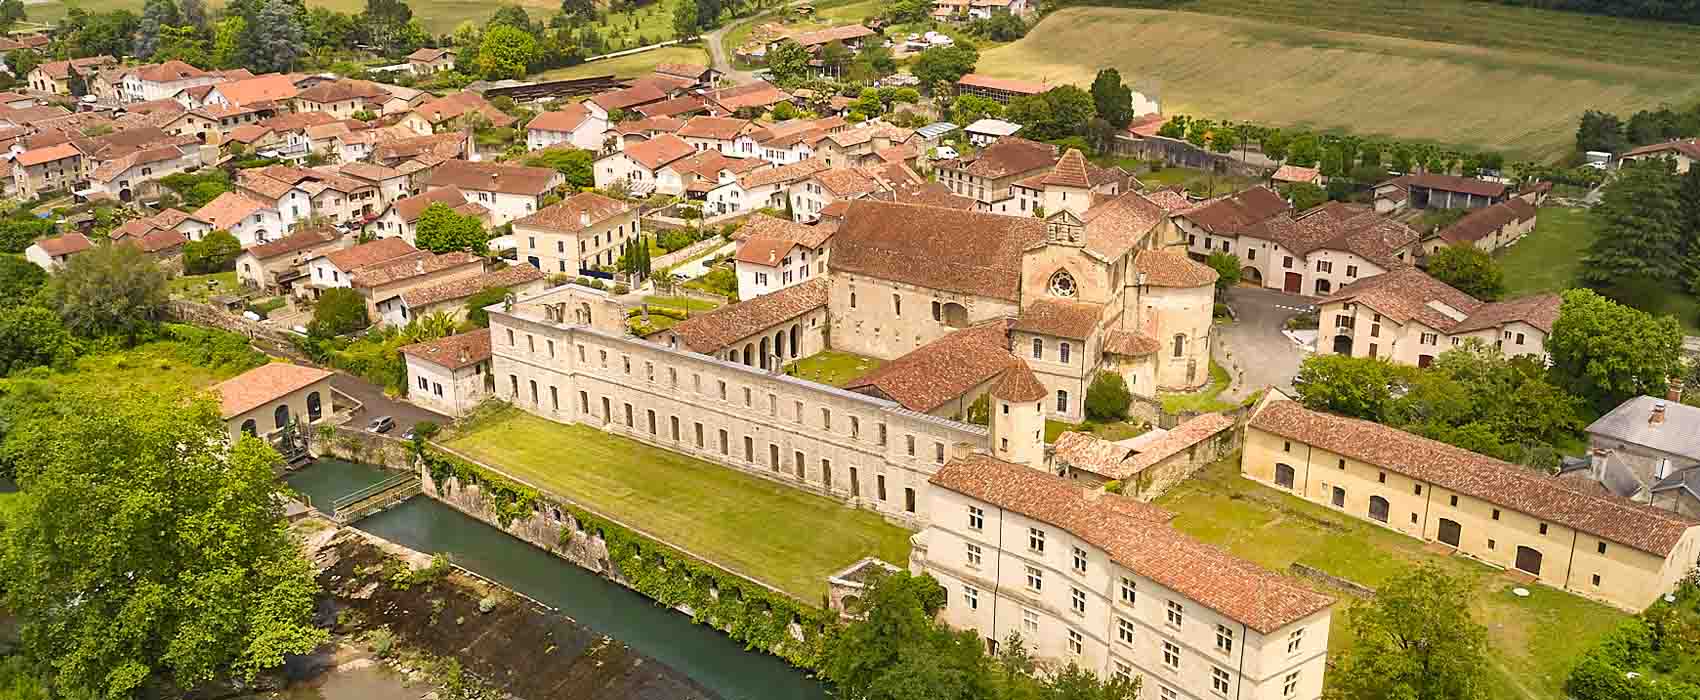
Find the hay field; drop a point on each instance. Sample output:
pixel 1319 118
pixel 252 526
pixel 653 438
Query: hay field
pixel 1519 100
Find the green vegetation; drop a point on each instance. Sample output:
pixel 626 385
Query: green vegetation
pixel 195 287
pixel 1415 639
pixel 833 367
pixel 1204 400
pixel 1198 182
pixel 1539 70
pixel 705 508
pixel 1112 431
pixel 685 303
pixel 1648 657
pixel 1107 398
pixel 1534 641
pixel 631 66
pixel 1547 260
pixel 1469 269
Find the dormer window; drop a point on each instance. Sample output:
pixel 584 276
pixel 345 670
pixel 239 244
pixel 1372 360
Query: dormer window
pixel 1062 284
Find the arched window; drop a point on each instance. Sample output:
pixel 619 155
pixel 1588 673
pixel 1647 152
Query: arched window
pixel 281 415
pixel 248 427
pixel 749 352
pixel 1062 401
pixel 764 354
pixel 1378 508
pixel 1062 284
pixel 315 406
pixel 1062 353
pixel 1038 349
pixel 794 339
pixel 1180 344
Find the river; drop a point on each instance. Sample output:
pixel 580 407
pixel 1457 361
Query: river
pixel 707 656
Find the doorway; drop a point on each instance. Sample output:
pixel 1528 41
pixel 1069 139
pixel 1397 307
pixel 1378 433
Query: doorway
pixel 1529 561
pixel 1378 509
pixel 1284 476
pixel 1450 531
pixel 1294 283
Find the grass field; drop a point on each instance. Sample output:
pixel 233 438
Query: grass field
pixel 154 368
pixel 630 66
pixel 833 367
pixel 1548 259
pixel 711 510
pixel 1533 641
pixel 195 286
pixel 1119 430
pixel 1198 182
pixel 1204 399
pixel 1446 71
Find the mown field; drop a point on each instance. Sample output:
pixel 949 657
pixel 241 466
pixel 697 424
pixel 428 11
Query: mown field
pixel 1470 74
pixel 631 66
pixel 438 16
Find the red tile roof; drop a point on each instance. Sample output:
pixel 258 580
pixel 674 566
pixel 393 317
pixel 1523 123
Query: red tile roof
pixel 945 249
pixel 659 151
pixel 1227 215
pixel 720 128
pixel 1138 537
pixel 946 369
pixel 1642 527
pixel 1113 461
pixel 264 384
pixel 566 118
pixel 272 86
pixel 570 214
pixel 37 156
pixel 494 177
pixel 681 105
pixel 381 250
pixel 455 351
pixel 510 276
pixel 754 94
pixel 298 241
pixel 1294 173
pixel 1061 318
pixel 1168 268
pixel 1486 221
pixel 1454 183
pixel 1130 343
pixel 416 264
pixel 1068 172
pixel 68 244
pixel 1689 147
pixel 228 209
pixel 713 331
pixel 831 34
pixel 1009 156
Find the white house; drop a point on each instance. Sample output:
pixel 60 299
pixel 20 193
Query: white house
pixel 251 221
pixel 401 217
pixel 450 375
pixel 774 254
pixel 161 81
pixel 335 268
pixel 639 164
pixel 508 191
pixel 50 253
pixel 573 125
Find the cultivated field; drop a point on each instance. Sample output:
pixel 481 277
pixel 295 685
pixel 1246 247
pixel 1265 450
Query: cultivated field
pixel 1516 80
pixel 437 16
pixel 631 66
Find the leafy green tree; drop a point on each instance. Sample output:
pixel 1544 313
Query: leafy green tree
pixel 685 19
pixel 788 61
pixel 441 230
pixel 944 65
pixel 275 39
pixel 182 44
pixel 511 16
pixel 1274 144
pixel 227 41
pixel 506 52
pixel 1606 352
pixel 1468 268
pixel 155 15
pixel 217 252
pixel 144 489
pixel 194 14
pixel 1416 640
pixel 1227 267
pixel 835 56
pixel 22 62
pixel 12 12
pixel 873 62
pixel 18 232
pixel 1350 386
pixel 1600 131
pixel 578 9
pixel 576 164
pixel 1107 398
pixel 104 34
pixel 1114 101
pixel 1304 195
pixel 1304 151
pixel 476 316
pixel 968 109
pixel 340 310
pixel 20 280
pixel 110 290
pixel 31 336
pixel 1640 225
pixel 388 24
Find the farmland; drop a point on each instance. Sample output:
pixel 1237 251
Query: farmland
pixel 629 66
pixel 1459 73
pixel 438 16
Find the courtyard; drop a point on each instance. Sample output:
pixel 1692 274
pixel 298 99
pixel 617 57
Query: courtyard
pixel 1534 641
pixel 832 367
pixel 784 537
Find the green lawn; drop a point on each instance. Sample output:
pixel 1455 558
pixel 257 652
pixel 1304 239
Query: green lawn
pixel 1534 641
pixel 154 367
pixel 1204 399
pixel 1548 260
pixel 195 286
pixel 765 530
pixel 1199 182
pixel 686 303
pixel 631 66
pixel 1120 430
pixel 833 367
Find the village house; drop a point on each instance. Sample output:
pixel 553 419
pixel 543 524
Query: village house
pixel 637 131
pixel 988 176
pixel 335 268
pixel 697 174
pixel 774 254
pixel 262 401
pixel 1150 464
pixel 987 131
pixel 428 61
pixel 274 267
pixel 1436 191
pixel 720 134
pixel 638 165
pixel 160 81
pixel 607 105
pixel 1488 229
pixel 383 284
pixel 1682 152
pixel 54 77
pixel 851 36
pixel 55 168
pixel 999 90
pixel 1105 582
pixel 211 124
pixel 450 112
pixel 357 144
pixel 1587 542
pixel 50 253
pixel 572 125
pixel 1647 449
pixel 134 175
pixel 401 218
pixel 748 99
pixel 1073 184
pixel 767 187
pixel 1295 174
pixel 1410 318
pixel 813 194
pixel 427 150
pixel 343 98
pixel 271 87
pixel 1215 225
pixel 391 184
pixel 582 232
pixel 970 10
pixel 156 235
pixel 683 106
pixel 451 297
pixel 508 191
pixel 340 199
pixel 450 375
pixel 1318 251
pixel 251 221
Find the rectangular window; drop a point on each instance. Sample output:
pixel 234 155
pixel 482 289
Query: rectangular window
pixel 1130 593
pixel 1454 501
pixel 722 390
pixel 1290 685
pixel 1074 643
pixel 826 419
pixel 1224 638
pixel 674 421
pixel 725 446
pixel 1171 654
pixel 972 597
pixel 1176 614
pixel 1077 601
pixel 749 448
pixel 826 473
pixel 1035 579
pixel 1166 693
pixel 881 483
pixel 797 463
pixel 976 518
pixel 1602 548
pixel 1543 528
pixel 1036 540
pixel 1124 631
pixel 1080 560
pixel 699 435
pixel 938 452
pixel 797 412
pixel 1219 681
pixel 1124 671
pixel 1295 640
pixel 1030 621
pixel 909 500
pixel 974 554
pixel 651 422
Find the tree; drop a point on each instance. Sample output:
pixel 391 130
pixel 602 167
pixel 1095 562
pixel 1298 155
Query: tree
pixel 1468 268
pixel 1303 151
pixel 182 44
pixel 1114 101
pixel 227 41
pixel 17 233
pixel 339 310
pixel 576 164
pixel 1304 195
pixel 20 280
pixel 578 9
pixel 145 489
pixel 1350 386
pixel 22 62
pixel 476 316
pixel 1107 398
pixel 1415 640
pixel 1606 352
pixel 156 14
pixel 110 290
pixel 1640 227
pixel 968 109
pixel 1274 144
pixel 684 19
pixel 834 56
pixel 872 63
pixel 441 230
pixel 31 336
pixel 511 16
pixel 945 64
pixel 505 53
pixel 387 24
pixel 217 252
pixel 788 61
pixel 1600 131
pixel 105 34
pixel 12 12
pixel 194 13
pixel 1227 267
pixel 276 38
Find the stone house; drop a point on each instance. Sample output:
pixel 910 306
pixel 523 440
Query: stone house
pixel 1410 318
pixel 383 284
pixel 450 375
pixel 1488 229
pixel 1648 449
pixel 582 232
pixel 401 218
pixel 251 221
pixel 275 266
pixel 343 98
pixel 508 191
pixel 160 81
pixel 1319 251
pixel 1215 225
pixel 988 176
pixel 719 134
pixel 1149 465
pixel 767 332
pixel 426 61
pixel 54 77
pixel 759 189
pixel 261 401
pixel 449 113
pixel 56 168
pixel 1683 152
pixel 451 297
pixel 1073 184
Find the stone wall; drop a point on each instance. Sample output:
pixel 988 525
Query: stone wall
pixel 355 445
pixel 268 339
pixel 686 253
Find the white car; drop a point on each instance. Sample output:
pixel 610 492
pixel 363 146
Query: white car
pixel 945 153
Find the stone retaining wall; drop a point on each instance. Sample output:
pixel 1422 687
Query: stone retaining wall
pixel 268 339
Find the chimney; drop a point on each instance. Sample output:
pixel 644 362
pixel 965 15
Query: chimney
pixel 1658 415
pixel 419 267
pixel 464 356
pixel 1673 390
pixel 584 218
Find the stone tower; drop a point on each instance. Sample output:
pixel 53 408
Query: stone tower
pixel 1018 416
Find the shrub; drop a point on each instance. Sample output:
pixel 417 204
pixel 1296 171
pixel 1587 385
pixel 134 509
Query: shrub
pixel 621 290
pixel 1221 311
pixel 1108 397
pixel 340 310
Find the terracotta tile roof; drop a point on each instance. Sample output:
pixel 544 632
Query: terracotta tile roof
pixel 650 125
pixel 410 266
pixel 564 119
pixel 435 146
pixel 763 226
pixel 926 193
pixel 409 208
pixel 37 156
pixel 1061 318
pixel 1294 173
pixel 455 351
pixel 457 104
pixel 681 105
pixel 343 90
pixel 945 369
pixel 1339 226
pixel 228 209
pixel 1138 537
pixel 1070 171
pixel 1646 528
pixel 1409 294
pixel 1689 147
pixel 1167 268
pixel 764 251
pixel 511 276
pixel 115 167
pixel 945 249
pixel 426 55
pixel 298 121
pixel 659 151
pixel 1023 87
pixel 60 70
pixel 1227 215
pixel 831 34
pixel 378 251
pixel 272 86
pixel 494 177
pixel 1087 452
pixel 1454 183
pixel 847 183
pixel 264 384
pixel 1009 156
pixel 1115 227
pixel 681 70
pixel 169 71
pixel 247 133
pixel 713 331
pixel 1486 221
pixel 157 240
pixel 754 94
pixel 782 174
pixel 294 242
pixel 569 214
pixel 68 244
pixel 1538 310
pixel 721 128
pixel 1130 343
pixel 369 172
pixel 640 93
pixel 1017 383
pixel 707 165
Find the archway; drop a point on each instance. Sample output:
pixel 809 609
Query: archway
pixel 1450 531
pixel 249 428
pixel 1378 508
pixel 764 353
pixel 954 315
pixel 779 346
pixel 315 406
pixel 1343 344
pixel 1284 475
pixel 1251 275
pixel 281 415
pixel 749 350
pixel 794 344
pixel 125 195
pixel 1529 560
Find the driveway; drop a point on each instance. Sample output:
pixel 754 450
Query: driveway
pixel 375 404
pixel 1258 349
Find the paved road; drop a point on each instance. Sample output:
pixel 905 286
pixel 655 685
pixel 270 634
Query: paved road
pixel 1267 357
pixel 718 52
pixel 375 404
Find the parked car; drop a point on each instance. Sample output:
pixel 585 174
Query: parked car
pixel 381 424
